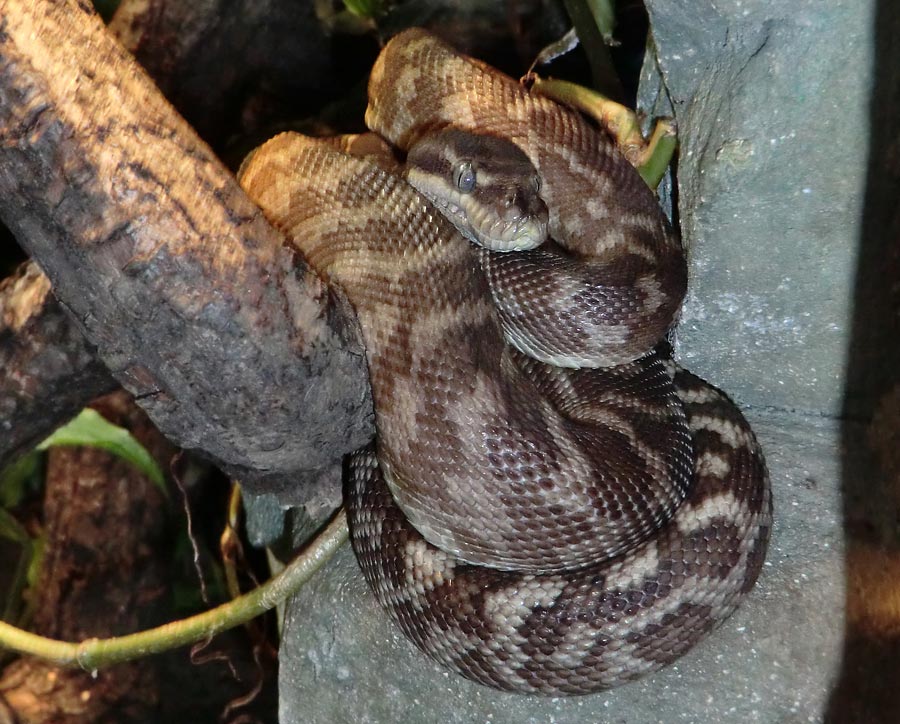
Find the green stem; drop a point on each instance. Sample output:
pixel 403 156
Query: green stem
pixel 651 159
pixel 604 12
pixel 658 154
pixel 229 542
pixel 94 653
pixel 591 36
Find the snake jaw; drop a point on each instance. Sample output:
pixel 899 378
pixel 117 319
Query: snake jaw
pixel 511 232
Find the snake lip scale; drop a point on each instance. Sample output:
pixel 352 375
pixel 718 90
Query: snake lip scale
pixel 552 506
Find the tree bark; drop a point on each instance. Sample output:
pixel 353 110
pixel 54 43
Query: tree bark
pixel 224 335
pixel 50 371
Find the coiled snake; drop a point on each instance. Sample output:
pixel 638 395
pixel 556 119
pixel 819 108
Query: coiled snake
pixel 553 505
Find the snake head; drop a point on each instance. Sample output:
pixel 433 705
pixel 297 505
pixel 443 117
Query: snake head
pixel 484 184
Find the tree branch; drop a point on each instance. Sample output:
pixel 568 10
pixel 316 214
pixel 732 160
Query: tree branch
pixel 224 335
pixel 50 371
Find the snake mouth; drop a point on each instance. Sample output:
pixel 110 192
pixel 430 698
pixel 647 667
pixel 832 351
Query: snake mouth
pixel 483 225
pixel 513 232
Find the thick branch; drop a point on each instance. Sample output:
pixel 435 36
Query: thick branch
pixel 227 339
pixel 50 371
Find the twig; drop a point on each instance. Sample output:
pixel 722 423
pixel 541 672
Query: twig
pixel 95 653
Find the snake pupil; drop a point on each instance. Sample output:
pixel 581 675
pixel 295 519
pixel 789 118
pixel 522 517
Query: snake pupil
pixel 464 176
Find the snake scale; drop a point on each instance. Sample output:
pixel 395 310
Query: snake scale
pixel 552 505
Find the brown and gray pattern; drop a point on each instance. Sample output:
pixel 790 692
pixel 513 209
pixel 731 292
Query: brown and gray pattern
pixel 529 479
pixel 581 631
pixel 616 273
pixel 627 506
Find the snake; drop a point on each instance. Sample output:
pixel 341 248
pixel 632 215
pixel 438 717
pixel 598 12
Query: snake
pixel 551 505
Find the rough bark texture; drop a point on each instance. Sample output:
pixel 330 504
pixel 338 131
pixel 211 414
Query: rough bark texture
pixel 50 370
pixel 226 338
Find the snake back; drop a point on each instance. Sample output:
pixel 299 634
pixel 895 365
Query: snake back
pixel 493 456
pixel 582 631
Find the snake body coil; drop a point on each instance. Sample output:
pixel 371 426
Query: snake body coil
pixel 552 526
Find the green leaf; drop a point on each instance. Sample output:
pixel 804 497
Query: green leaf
pixel 604 13
pixel 18 479
pixel 365 8
pixel 90 428
pixel 19 567
pixel 35 560
pixel 11 529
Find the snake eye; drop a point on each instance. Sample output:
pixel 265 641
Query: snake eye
pixel 536 183
pixel 464 176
